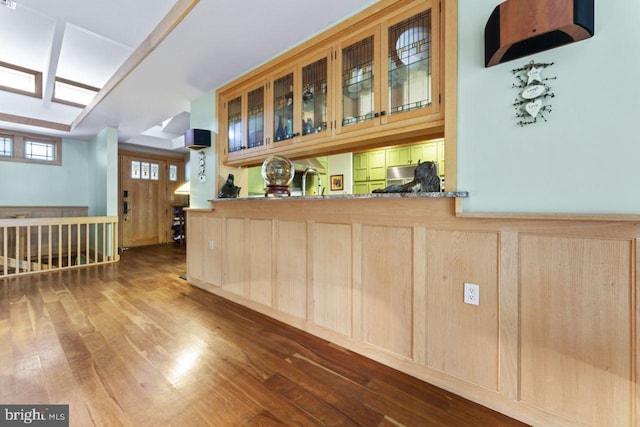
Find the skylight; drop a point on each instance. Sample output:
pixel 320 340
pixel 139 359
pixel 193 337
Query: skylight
pixel 72 93
pixel 20 80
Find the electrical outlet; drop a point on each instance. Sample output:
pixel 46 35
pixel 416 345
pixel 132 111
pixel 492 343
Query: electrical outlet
pixel 211 244
pixel 471 294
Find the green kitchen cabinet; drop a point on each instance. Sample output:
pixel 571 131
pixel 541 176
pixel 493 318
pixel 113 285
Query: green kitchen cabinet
pixel 399 156
pixel 412 154
pixel 424 153
pixel 256 182
pixel 377 165
pixel 367 187
pixel 369 166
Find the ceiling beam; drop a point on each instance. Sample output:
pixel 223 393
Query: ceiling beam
pixel 54 58
pixel 162 30
pixel 28 121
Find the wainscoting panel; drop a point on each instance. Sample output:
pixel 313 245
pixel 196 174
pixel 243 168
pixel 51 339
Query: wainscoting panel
pixel 387 288
pixel 576 324
pixel 260 260
pixel 290 294
pixel 212 245
pixel 332 272
pixel 235 262
pixel 454 258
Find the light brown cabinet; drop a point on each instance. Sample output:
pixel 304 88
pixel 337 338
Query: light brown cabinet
pixel 389 73
pixel 362 85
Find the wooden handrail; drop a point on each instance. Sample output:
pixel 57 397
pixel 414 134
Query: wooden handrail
pixel 30 245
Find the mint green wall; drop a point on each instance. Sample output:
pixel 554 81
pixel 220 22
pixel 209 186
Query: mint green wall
pixel 585 158
pixel 203 116
pixel 103 177
pixel 27 184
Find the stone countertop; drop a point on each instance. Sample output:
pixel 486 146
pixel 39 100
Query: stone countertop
pixel 434 195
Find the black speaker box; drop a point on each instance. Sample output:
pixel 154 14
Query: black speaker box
pixel 518 28
pixel 197 139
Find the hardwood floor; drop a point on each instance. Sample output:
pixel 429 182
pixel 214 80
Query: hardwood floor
pixel 133 344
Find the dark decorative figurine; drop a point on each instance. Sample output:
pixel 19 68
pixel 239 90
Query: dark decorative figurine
pixel 229 190
pixel 425 180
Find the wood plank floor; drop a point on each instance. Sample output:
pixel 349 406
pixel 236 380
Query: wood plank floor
pixel 132 344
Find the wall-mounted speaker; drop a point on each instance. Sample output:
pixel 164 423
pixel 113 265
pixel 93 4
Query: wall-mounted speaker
pixel 518 28
pixel 197 139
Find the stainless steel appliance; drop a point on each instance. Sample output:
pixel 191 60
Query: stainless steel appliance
pixel 400 174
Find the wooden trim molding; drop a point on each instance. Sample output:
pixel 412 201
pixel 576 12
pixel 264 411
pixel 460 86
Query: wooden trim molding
pixel 29 121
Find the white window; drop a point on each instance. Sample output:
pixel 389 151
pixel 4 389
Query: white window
pixel 37 150
pixel 19 147
pixel 6 146
pixel 73 93
pixel 20 80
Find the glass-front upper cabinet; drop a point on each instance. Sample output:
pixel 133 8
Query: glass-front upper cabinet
pixel 315 96
pixel 235 139
pixel 411 67
pixel 283 108
pixel 244 114
pixel 255 117
pixel 395 82
pixel 358 65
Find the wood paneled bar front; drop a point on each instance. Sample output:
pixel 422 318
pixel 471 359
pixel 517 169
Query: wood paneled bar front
pixel 552 342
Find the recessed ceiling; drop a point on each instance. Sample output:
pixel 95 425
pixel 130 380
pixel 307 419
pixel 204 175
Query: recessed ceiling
pixel 88 40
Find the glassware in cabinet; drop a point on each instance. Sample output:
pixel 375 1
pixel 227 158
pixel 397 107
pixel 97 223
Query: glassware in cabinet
pixel 283 108
pixel 315 112
pixel 357 66
pixel 234 125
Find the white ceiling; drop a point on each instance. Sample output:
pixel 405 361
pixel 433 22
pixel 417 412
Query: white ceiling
pixel 88 40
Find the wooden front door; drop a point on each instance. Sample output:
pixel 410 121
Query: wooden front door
pixel 147 183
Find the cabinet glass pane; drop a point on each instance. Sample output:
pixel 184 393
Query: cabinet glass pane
pixel 234 121
pixel 283 108
pixel 314 97
pixel 255 122
pixel 357 82
pixel 410 64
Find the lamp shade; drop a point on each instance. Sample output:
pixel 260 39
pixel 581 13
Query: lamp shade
pixel 184 189
pixel 197 139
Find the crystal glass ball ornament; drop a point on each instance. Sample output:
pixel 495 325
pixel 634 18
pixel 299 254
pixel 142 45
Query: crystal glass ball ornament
pixel 277 171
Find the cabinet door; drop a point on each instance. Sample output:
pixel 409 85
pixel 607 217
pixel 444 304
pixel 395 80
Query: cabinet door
pixel 284 111
pixel 316 96
pixel 360 188
pixel 377 165
pixel 255 122
pixel 358 102
pixel 244 120
pixel 424 153
pixel 235 135
pixel 374 185
pixel 398 156
pixel 410 69
pixel 367 187
pixel 360 167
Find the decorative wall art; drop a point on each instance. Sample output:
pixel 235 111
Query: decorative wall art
pixel 534 93
pixel 337 182
pixel 202 176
